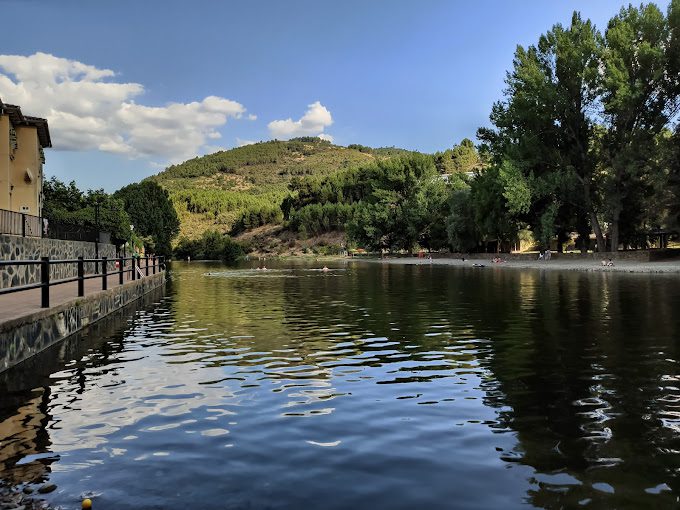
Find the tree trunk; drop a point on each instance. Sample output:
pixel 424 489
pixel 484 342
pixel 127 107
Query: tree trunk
pixel 594 222
pixel 561 239
pixel 583 229
pixel 615 234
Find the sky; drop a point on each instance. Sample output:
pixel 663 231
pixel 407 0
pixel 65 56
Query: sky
pixel 130 86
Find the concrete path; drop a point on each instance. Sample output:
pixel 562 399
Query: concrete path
pixel 18 304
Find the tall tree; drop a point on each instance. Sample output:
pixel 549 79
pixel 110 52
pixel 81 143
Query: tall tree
pixel 640 96
pixel 544 128
pixel 152 213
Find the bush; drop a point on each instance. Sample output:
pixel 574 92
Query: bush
pixel 211 246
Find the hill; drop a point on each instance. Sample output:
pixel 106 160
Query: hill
pixel 247 184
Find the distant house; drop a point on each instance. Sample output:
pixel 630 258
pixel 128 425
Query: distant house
pixel 22 140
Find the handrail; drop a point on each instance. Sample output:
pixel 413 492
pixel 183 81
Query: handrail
pixel 135 270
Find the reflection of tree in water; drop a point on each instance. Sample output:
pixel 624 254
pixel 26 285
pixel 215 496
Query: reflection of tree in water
pixel 28 392
pixel 580 360
pixel 582 365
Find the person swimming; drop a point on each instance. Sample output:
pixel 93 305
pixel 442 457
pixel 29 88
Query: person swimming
pixel 325 269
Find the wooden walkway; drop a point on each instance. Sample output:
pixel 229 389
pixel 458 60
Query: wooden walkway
pixel 26 302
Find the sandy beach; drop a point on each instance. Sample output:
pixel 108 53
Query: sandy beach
pixel 623 266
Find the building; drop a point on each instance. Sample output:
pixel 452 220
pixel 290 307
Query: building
pixel 22 140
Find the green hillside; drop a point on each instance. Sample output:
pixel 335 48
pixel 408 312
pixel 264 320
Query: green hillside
pixel 247 184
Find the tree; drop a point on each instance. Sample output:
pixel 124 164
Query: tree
pixel 151 212
pixel 543 129
pixel 405 205
pixel 67 207
pixel 673 165
pixel 582 119
pixel 640 96
pixel 462 158
pixel 461 227
pixel 481 214
pixel 58 196
pixel 210 246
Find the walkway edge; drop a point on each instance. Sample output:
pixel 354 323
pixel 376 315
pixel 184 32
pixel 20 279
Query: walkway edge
pixel 25 336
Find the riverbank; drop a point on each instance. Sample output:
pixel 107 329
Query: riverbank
pixel 621 266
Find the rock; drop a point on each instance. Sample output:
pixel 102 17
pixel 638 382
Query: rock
pixel 47 488
pixel 28 490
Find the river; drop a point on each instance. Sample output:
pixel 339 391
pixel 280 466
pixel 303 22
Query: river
pixel 367 386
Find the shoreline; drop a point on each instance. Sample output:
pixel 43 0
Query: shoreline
pixel 620 266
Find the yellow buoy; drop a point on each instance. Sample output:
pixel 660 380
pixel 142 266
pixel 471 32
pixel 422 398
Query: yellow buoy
pixel 87 504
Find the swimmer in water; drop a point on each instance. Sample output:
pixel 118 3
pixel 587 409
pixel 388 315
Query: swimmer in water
pixel 325 269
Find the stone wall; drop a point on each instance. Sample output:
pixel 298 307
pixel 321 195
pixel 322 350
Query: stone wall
pixel 32 248
pixel 23 337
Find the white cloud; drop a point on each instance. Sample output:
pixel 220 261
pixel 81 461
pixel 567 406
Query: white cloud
pixel 86 111
pixel 252 117
pixel 326 136
pixel 312 123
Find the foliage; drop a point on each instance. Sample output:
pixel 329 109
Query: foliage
pixel 401 202
pixel 640 96
pixel 318 218
pixel 463 234
pixel 66 205
pixel 577 136
pixel 152 214
pixel 231 189
pixel 212 245
pixel 462 158
pixel 481 214
pixel 257 216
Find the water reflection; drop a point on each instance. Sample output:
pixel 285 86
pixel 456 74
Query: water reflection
pixel 367 386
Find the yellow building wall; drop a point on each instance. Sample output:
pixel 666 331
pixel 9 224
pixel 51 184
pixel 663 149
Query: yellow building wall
pixel 4 162
pixel 25 191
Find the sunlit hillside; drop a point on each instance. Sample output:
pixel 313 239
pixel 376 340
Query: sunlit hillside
pixel 214 191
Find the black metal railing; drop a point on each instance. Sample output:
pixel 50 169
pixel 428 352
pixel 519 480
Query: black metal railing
pixel 20 224
pixel 138 268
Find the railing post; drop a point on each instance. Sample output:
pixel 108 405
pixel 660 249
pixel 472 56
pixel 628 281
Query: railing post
pixel 81 277
pixel 105 275
pixel 147 264
pixel 45 281
pixel 134 268
pixel 121 263
pixel 23 225
pixel 154 264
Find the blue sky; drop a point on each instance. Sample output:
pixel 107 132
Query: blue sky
pixel 415 74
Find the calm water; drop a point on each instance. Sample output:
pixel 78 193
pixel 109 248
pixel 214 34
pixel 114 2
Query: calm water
pixel 370 386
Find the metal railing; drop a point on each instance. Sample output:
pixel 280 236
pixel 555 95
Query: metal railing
pixel 134 271
pixel 20 224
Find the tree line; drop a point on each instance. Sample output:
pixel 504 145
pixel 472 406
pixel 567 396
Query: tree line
pixel 585 141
